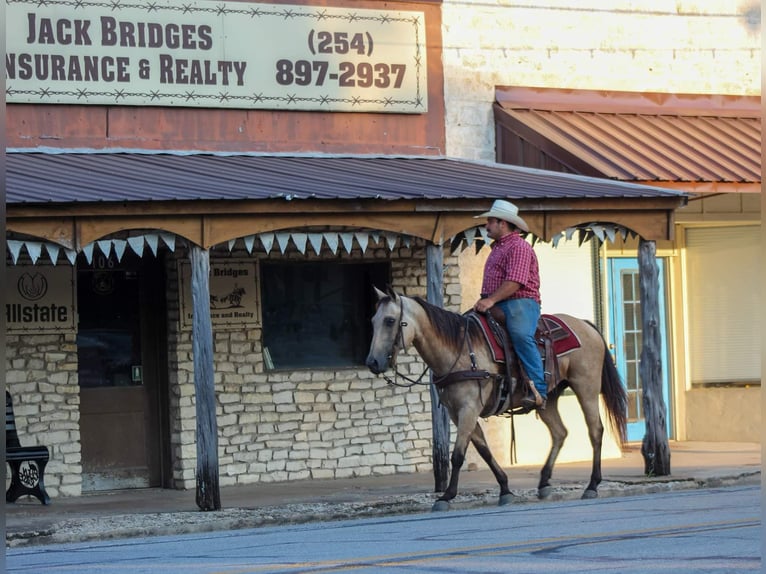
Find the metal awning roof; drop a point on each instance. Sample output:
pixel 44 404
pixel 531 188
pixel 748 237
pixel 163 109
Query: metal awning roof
pixel 75 197
pixel 694 142
pixel 62 177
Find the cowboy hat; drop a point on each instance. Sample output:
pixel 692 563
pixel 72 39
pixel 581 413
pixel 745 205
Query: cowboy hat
pixel 506 211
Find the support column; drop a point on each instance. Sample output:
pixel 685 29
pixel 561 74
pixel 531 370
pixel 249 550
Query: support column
pixel 439 415
pixel 655 448
pixel 208 487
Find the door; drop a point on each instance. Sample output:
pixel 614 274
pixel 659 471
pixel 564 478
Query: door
pixel 625 326
pixel 119 372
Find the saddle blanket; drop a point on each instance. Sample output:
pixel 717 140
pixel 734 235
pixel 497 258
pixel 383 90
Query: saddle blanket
pixel 563 338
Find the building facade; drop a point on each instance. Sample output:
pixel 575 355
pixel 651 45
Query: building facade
pixel 109 385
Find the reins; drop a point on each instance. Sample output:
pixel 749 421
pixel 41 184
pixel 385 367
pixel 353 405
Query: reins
pixel 448 378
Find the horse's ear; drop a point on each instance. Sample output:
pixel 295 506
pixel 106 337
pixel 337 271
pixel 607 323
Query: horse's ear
pixel 390 292
pixel 379 293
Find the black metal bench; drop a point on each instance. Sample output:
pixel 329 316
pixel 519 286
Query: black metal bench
pixel 27 462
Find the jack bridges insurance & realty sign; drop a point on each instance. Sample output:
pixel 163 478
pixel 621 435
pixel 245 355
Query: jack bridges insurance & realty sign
pixel 215 54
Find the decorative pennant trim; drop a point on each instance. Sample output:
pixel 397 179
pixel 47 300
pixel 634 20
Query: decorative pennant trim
pixel 315 239
pixel 348 241
pixel 267 240
pixel 282 240
pixel 362 238
pixel 299 239
pixel 88 252
pixel 15 248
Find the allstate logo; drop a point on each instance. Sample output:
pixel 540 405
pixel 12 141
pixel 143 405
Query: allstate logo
pixel 32 286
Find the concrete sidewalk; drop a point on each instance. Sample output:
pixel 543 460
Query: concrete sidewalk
pixel 151 512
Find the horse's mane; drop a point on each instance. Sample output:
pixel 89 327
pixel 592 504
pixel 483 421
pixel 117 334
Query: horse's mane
pixel 448 325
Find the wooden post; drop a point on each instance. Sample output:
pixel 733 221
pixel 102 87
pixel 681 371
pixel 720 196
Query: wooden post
pixel 655 448
pixel 439 414
pixel 208 488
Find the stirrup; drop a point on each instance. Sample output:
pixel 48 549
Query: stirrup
pixel 533 400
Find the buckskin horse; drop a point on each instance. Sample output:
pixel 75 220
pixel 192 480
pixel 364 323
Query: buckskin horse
pixel 469 380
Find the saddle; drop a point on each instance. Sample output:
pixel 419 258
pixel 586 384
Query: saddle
pixel 554 338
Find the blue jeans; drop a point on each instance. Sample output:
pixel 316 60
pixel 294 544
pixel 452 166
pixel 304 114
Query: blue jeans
pixel 521 316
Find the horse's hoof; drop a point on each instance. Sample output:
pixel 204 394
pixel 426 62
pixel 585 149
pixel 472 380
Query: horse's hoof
pixel 589 494
pixel 506 499
pixel 544 492
pixel 440 506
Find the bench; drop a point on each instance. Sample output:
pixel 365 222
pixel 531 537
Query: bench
pixel 27 462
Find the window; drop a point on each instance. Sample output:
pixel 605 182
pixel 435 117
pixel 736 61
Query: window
pixel 724 295
pixel 318 314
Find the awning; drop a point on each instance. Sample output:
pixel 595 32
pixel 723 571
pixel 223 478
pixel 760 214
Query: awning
pixel 76 197
pixel 691 142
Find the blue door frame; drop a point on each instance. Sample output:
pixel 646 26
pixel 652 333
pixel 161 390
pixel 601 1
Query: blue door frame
pixel 625 326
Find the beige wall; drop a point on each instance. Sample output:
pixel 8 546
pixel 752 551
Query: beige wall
pixel 533 441
pixel 724 414
pixel 704 46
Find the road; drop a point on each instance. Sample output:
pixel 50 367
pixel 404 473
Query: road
pixel 695 531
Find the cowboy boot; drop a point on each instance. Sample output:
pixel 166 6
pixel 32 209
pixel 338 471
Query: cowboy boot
pixel 533 400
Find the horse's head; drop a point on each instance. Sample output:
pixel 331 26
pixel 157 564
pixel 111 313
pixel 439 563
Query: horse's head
pixel 390 332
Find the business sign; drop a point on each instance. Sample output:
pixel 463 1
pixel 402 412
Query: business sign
pixel 40 299
pixel 233 293
pixel 215 54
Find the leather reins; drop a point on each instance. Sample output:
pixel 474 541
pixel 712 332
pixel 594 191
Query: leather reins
pixel 444 380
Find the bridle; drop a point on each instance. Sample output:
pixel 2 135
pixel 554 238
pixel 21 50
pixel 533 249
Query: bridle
pixel 399 337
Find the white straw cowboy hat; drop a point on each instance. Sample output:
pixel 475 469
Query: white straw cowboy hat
pixel 506 211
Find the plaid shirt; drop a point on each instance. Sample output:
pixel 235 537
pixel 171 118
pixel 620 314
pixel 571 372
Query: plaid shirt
pixel 512 259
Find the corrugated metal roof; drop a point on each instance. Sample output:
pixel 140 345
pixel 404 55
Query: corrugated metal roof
pixel 63 176
pixel 648 137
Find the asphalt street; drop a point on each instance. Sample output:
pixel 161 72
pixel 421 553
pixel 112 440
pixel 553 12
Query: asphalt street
pixel 716 530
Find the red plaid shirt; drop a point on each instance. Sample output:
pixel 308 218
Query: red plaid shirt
pixel 512 259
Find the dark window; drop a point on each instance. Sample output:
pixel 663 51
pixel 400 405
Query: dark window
pixel 108 332
pixel 318 314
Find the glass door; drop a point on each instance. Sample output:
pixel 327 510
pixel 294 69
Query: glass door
pixel 625 326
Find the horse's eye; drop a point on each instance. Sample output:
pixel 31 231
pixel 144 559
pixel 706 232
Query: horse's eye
pixel 389 321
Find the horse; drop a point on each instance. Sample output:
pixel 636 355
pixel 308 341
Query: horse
pixel 452 346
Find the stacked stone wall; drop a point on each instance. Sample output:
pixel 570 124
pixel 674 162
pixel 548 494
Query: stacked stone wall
pixel 304 424
pixel 41 375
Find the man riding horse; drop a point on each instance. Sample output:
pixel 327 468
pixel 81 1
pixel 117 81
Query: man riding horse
pixel 512 283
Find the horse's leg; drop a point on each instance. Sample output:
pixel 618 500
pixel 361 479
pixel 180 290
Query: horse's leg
pixel 465 428
pixel 480 443
pixel 596 435
pixel 552 419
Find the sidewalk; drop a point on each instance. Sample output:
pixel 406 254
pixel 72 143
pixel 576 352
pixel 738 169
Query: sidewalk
pixel 152 512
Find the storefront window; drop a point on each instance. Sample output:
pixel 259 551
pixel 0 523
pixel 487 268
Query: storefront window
pixel 318 314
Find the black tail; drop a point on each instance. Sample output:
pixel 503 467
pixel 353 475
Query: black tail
pixel 615 397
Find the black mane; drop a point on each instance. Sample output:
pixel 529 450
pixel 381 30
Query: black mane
pixel 448 325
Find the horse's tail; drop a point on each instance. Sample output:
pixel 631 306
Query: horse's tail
pixel 615 395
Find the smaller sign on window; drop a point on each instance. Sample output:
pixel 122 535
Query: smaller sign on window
pixel 40 299
pixel 233 293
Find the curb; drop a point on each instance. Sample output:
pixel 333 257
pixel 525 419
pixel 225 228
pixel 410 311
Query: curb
pixel 123 526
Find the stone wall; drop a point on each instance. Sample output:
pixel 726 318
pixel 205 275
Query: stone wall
pixel 705 46
pixel 303 424
pixel 41 375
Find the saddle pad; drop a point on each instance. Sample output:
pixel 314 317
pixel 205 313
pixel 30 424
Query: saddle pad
pixel 563 338
pixel 498 355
